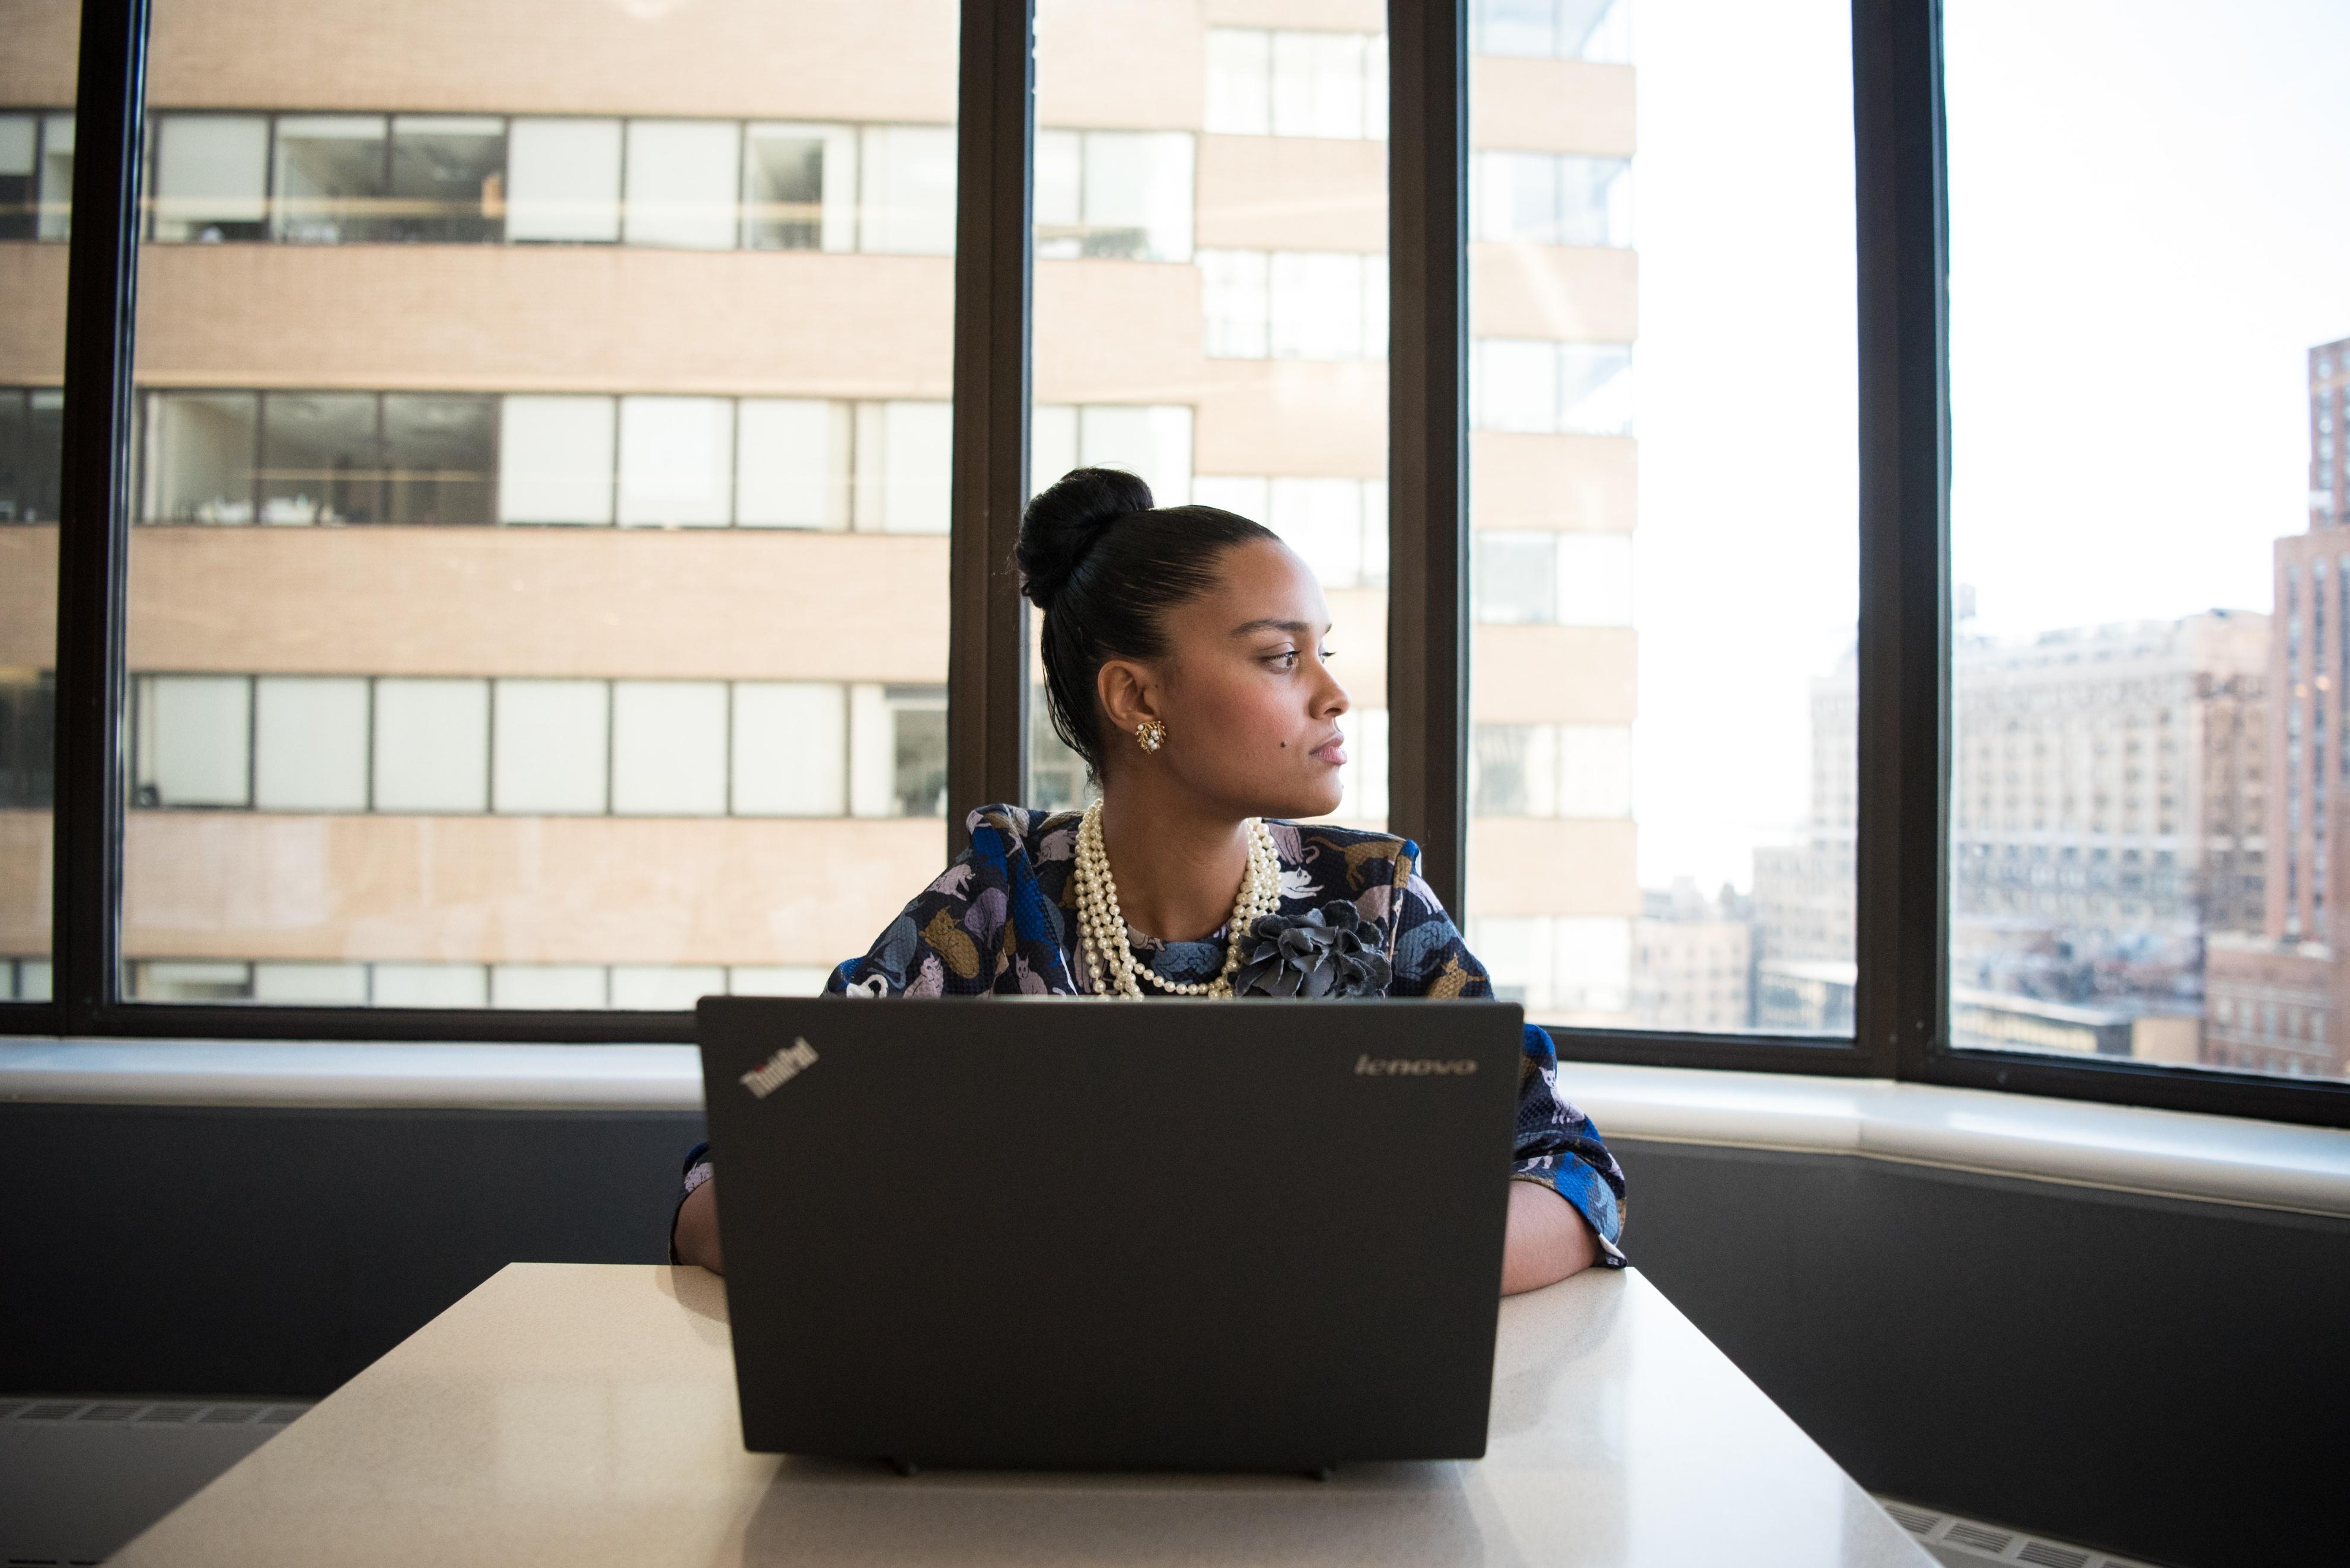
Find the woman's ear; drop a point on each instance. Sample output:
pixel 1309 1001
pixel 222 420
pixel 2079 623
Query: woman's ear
pixel 1128 693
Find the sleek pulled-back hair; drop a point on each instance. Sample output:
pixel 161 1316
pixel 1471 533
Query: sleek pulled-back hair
pixel 1105 566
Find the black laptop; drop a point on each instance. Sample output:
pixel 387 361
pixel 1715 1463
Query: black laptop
pixel 1062 1233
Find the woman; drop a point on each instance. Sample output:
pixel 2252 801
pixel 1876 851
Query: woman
pixel 1184 661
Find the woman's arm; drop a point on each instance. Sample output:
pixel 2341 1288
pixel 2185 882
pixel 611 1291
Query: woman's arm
pixel 1548 1239
pixel 695 1238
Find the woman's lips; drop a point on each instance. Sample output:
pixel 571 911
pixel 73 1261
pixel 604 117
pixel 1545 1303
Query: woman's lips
pixel 1332 750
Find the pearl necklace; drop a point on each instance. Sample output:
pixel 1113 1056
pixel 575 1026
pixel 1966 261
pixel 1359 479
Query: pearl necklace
pixel 1109 959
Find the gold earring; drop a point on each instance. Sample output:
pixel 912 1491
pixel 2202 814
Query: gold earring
pixel 1151 734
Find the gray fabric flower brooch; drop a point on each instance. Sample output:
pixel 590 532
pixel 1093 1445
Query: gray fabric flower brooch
pixel 1329 952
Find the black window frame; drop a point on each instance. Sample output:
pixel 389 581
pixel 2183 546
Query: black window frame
pixel 1902 912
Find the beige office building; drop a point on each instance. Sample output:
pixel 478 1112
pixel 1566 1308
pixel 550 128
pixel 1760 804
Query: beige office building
pixel 538 590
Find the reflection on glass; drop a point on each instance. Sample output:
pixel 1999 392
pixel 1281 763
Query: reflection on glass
pixel 542 615
pixel 2151 665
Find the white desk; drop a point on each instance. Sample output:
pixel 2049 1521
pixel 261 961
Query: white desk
pixel 581 1415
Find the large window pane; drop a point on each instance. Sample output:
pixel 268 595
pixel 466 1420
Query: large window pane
pixel 541 473
pixel 1664 588
pixel 681 182
pixel 447 178
pixel 563 179
pixel 210 176
pixel 1211 301
pixel 332 177
pixel 320 458
pixel 2149 685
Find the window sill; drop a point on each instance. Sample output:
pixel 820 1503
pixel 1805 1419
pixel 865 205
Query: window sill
pixel 2224 1159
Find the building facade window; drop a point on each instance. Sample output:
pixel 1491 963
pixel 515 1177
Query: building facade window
pixel 1596 30
pixel 1539 387
pixel 1114 193
pixel 36 175
pixel 1551 579
pixel 521 746
pixel 674 183
pixel 1293 304
pixel 559 459
pixel 32 447
pixel 1276 82
pixel 1337 526
pixel 1550 199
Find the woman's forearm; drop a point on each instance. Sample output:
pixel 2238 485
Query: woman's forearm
pixel 696 1235
pixel 1548 1239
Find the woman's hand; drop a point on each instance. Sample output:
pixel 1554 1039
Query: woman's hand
pixel 696 1236
pixel 1548 1239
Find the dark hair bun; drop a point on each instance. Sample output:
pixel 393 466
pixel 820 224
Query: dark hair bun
pixel 1066 520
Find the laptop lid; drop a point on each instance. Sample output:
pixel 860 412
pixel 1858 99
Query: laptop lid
pixel 1061 1235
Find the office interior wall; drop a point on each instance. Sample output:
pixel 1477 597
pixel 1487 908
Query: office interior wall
pixel 2163 1378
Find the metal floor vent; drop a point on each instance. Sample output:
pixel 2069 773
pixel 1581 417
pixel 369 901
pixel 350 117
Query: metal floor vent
pixel 1963 1542
pixel 80 1477
pixel 152 1412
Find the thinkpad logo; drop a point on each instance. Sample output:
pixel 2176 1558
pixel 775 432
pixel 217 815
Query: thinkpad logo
pixel 1412 1066
pixel 779 1069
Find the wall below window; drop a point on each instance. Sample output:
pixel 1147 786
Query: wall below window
pixel 2150 1374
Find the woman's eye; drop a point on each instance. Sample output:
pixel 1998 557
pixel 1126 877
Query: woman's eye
pixel 1286 659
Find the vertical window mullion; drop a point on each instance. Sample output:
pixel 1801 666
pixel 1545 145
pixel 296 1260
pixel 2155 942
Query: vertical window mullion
pixel 93 540
pixel 1901 916
pixel 1428 601
pixel 987 658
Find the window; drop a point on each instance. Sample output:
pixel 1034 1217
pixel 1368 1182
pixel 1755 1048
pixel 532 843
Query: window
pixel 1290 304
pixel 1118 194
pixel 799 187
pixel 1597 30
pixel 677 461
pixel 35 187
pixel 448 179
pixel 2226 955
pixel 668 748
pixel 898 751
pixel 332 178
pixel 36 175
pixel 1553 579
pixel 548 740
pixel 563 179
pixel 1339 526
pixel 1550 199
pixel 683 182
pixel 431 746
pixel 1574 505
pixel 32 429
pixel 211 177
pixel 193 740
pixel 792 464
pixel 1154 442
pixel 1284 83
pixel 440 458
pixel 1579 388
pixel 309 744
pixel 1262 393
pixel 907 189
pixel 790 754
pixel 554 460
pixel 318 460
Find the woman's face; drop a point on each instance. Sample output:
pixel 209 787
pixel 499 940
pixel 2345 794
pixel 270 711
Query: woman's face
pixel 1245 690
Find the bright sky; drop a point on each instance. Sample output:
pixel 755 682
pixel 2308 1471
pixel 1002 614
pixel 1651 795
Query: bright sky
pixel 2149 231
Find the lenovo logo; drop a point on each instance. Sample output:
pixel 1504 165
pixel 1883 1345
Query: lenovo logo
pixel 1412 1066
pixel 779 1069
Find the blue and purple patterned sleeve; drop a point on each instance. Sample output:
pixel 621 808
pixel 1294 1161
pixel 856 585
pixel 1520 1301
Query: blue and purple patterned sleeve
pixel 1557 1147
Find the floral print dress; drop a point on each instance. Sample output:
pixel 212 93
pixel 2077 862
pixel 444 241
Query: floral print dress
pixel 1003 920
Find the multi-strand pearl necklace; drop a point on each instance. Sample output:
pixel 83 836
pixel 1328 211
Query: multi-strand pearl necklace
pixel 1110 959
